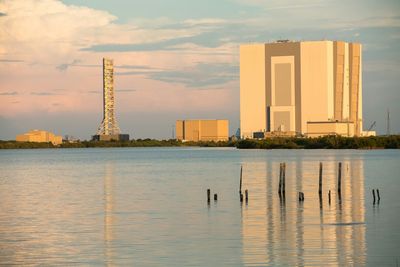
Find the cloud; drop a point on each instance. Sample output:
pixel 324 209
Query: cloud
pixel 140 67
pixel 10 60
pixel 47 30
pixel 64 67
pixel 94 92
pixel 9 93
pixel 210 39
pixel 125 90
pixel 43 93
pixel 202 75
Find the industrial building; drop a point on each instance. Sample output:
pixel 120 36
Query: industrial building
pixel 39 136
pixel 308 88
pixel 202 130
pixel 108 129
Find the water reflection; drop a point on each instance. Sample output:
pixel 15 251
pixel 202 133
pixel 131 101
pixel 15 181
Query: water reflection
pixel 109 217
pixel 284 231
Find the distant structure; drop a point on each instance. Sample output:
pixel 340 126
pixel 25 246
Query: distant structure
pixel 108 129
pixel 202 130
pixel 70 139
pixel 310 88
pixel 39 136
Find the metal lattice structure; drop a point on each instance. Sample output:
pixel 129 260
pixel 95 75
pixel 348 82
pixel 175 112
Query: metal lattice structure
pixel 109 125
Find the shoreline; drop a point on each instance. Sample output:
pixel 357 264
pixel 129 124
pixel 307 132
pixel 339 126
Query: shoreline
pixel 326 142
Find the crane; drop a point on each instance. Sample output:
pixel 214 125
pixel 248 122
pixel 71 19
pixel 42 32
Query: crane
pixel 372 126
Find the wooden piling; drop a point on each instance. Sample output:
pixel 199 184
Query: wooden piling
pixel 340 178
pixel 373 194
pixel 379 197
pixel 246 192
pixel 215 197
pixel 321 204
pixel 283 178
pixel 320 179
pixel 240 185
pixel 280 178
pixel 241 197
pixel 329 197
pixel 301 196
pixel 208 195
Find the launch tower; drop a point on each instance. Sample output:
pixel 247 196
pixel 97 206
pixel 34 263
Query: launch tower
pixel 108 129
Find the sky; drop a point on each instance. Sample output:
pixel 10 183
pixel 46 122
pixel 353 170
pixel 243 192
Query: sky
pixel 174 59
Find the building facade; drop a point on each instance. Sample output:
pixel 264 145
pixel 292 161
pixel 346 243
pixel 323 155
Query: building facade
pixel 39 136
pixel 285 86
pixel 202 130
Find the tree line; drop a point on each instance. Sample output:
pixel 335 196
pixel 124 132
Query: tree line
pixel 326 142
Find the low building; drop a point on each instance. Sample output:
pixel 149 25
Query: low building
pixel 202 130
pixel 368 133
pixel 39 136
pixel 110 137
pixel 321 128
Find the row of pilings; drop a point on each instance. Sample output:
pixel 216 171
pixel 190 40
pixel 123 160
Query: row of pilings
pixel 282 187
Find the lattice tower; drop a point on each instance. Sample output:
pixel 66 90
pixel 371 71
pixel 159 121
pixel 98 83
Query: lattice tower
pixel 109 125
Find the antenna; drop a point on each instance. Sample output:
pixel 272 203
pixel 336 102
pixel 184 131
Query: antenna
pixel 388 123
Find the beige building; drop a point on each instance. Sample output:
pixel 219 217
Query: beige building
pixel 39 137
pixel 202 130
pixel 301 88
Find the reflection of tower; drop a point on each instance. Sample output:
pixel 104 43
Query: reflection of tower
pixel 108 212
pixel 109 124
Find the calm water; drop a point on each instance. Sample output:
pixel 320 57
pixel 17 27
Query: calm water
pixel 148 207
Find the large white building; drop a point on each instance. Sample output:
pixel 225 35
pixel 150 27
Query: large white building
pixel 310 88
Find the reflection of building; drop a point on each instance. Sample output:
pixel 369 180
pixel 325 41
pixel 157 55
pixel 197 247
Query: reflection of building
pixel 40 137
pixel 287 233
pixel 301 88
pixel 108 129
pixel 202 130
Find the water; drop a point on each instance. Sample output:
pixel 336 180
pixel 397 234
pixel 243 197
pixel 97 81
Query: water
pixel 148 207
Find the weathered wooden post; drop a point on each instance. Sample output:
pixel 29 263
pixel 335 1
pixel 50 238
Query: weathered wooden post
pixel 280 178
pixel 373 194
pixel 379 197
pixel 329 197
pixel 246 192
pixel 241 197
pixel 215 197
pixel 320 179
pixel 240 185
pixel 301 196
pixel 283 178
pixel 321 204
pixel 208 195
pixel 340 178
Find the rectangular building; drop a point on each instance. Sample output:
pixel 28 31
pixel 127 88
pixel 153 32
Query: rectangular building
pixel 286 85
pixel 39 137
pixel 202 130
